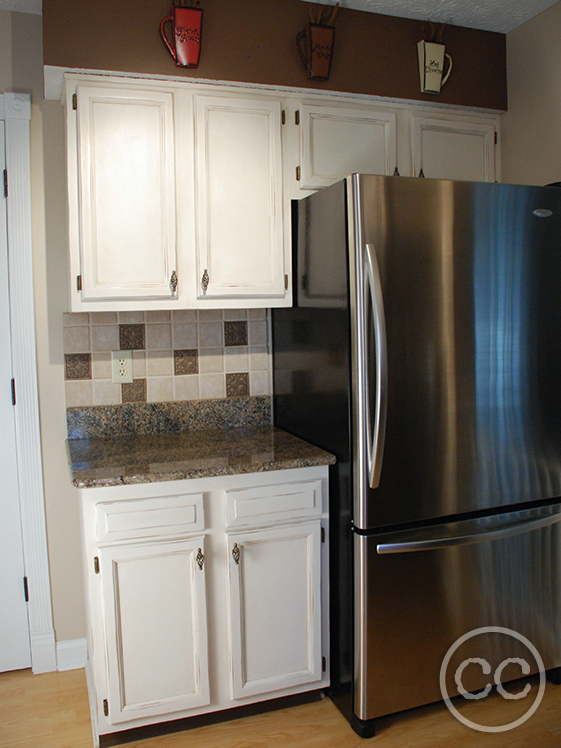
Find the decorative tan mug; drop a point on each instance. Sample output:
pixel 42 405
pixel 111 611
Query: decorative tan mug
pixel 315 47
pixel 431 66
pixel 186 24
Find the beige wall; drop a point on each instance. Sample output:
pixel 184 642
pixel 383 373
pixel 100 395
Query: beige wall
pixel 21 71
pixel 531 129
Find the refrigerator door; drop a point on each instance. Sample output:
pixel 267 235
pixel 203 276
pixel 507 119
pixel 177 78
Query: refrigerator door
pixel 419 591
pixel 455 346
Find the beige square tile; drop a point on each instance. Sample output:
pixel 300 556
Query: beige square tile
pixel 78 394
pixel 210 334
pixel 184 336
pixel 76 339
pixel 158 315
pixel 103 318
pixel 138 364
pixel 259 359
pixel 104 392
pixel 179 316
pixel 257 313
pixel 186 387
pixel 75 318
pixel 209 315
pixel 211 360
pixel 159 363
pixel 257 332
pixel 101 365
pixel 212 385
pixel 105 337
pixel 131 318
pixel 259 383
pixel 159 389
pixel 235 314
pixel 158 337
pixel 236 359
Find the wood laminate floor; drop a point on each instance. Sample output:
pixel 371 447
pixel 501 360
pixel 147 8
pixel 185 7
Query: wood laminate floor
pixel 51 711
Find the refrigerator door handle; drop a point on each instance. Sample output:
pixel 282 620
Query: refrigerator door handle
pixel 478 537
pixel 376 432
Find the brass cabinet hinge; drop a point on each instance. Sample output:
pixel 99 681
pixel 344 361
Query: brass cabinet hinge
pixel 323 534
pixel 286 282
pixel 106 707
pixel 283 120
pixel 96 564
pixel 297 117
pixel 496 137
pixel 25 590
pixel 297 173
pixel 323 664
pixel 74 101
pixel 78 282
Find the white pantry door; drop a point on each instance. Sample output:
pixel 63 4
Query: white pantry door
pixel 14 627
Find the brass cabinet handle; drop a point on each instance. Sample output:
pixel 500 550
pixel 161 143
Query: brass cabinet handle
pixel 200 559
pixel 236 553
pixel 173 282
pixel 205 280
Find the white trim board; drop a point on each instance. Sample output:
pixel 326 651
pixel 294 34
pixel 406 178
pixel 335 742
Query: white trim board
pixel 71 654
pixel 15 110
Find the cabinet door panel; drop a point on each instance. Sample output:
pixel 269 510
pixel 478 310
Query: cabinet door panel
pixel 126 192
pixel 453 149
pixel 154 601
pixel 275 609
pixel 335 142
pixel 239 197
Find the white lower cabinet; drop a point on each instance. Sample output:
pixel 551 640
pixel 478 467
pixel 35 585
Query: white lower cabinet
pixel 204 594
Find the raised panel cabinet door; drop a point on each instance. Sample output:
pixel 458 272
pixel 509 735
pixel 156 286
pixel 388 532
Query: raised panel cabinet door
pixel 335 142
pixel 154 605
pixel 240 235
pixel 126 192
pixel 275 608
pixel 462 149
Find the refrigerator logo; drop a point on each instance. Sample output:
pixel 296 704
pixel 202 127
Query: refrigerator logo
pixel 486 668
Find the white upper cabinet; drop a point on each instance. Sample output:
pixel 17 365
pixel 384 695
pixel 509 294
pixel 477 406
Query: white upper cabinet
pixel 122 196
pixel 337 141
pixel 240 217
pixel 449 147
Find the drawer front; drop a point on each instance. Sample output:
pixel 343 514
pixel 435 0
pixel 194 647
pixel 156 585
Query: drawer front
pixel 160 517
pixel 268 504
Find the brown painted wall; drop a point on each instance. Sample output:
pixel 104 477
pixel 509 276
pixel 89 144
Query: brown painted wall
pixel 254 41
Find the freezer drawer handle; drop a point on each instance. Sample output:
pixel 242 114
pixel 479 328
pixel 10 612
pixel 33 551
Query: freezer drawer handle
pixel 376 433
pixel 477 537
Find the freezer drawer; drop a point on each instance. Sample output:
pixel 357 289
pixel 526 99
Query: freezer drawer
pixel 419 591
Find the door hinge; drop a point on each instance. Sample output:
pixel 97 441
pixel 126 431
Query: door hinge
pixel 283 120
pixel 286 282
pixel 496 137
pixel 96 564
pixel 297 117
pixel 323 664
pixel 74 101
pixel 78 282
pixel 106 707
pixel 13 388
pixel 297 173
pixel 25 590
pixel 5 183
pixel 323 534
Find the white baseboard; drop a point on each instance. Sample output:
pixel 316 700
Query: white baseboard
pixel 43 655
pixel 71 654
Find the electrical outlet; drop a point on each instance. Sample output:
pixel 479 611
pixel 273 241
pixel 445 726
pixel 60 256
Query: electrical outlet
pixel 121 366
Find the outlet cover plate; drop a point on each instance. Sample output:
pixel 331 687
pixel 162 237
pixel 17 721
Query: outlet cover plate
pixel 121 366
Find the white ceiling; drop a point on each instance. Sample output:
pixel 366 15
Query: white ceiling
pixel 491 15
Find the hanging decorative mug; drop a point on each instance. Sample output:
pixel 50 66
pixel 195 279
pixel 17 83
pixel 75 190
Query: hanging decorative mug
pixel 431 66
pixel 315 47
pixel 185 47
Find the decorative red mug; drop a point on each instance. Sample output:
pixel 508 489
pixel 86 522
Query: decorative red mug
pixel 187 25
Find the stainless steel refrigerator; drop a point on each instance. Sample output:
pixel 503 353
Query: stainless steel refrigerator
pixel 424 350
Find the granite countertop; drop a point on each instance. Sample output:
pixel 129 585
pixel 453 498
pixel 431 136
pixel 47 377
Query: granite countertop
pixel 199 453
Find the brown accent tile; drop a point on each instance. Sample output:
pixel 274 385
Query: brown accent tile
pixel 237 385
pixel 186 362
pixel 77 366
pixel 132 337
pixel 235 333
pixel 134 392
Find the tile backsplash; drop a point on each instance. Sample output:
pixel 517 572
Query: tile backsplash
pixel 177 355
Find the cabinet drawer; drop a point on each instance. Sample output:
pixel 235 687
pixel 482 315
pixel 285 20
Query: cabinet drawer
pixel 159 517
pixel 267 504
